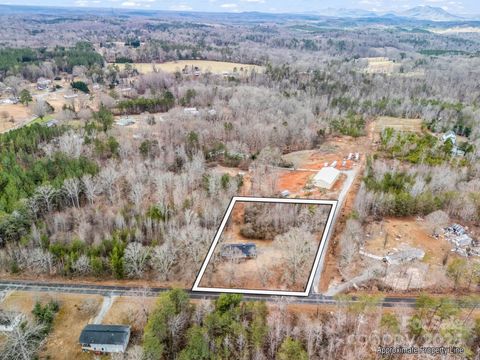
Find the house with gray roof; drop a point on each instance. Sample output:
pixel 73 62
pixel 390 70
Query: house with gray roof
pixel 239 251
pixel 105 338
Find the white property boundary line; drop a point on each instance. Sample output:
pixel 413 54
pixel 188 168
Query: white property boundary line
pixel 332 203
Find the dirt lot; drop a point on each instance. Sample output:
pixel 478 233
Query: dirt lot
pixel 62 342
pixel 216 67
pixel 405 232
pixel 308 162
pixel 265 272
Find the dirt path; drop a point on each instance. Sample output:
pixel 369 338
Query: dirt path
pixel 106 305
pixel 351 175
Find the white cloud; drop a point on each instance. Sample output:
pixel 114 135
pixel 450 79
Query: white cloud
pixel 254 1
pixel 130 4
pixel 229 6
pixel 180 7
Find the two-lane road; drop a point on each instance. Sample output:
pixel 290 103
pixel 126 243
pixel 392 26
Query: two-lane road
pixel 110 290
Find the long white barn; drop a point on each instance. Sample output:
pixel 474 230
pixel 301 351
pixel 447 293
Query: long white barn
pixel 326 177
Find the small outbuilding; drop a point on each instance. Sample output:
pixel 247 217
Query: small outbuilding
pixel 326 177
pixel 105 338
pixel 51 123
pixel 125 121
pixel 191 111
pixel 239 251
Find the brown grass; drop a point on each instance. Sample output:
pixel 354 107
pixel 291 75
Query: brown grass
pixel 62 342
pixel 216 67
pixel 380 65
pixel 19 112
pixel 399 124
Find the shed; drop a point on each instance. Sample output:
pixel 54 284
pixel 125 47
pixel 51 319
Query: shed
pixel 191 111
pixel 51 123
pixel 125 121
pixel 326 177
pixel 239 251
pixel 105 338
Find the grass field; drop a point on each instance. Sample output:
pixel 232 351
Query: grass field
pixel 399 124
pixel 381 65
pixel 62 342
pixel 216 67
pixel 456 30
pixel 18 112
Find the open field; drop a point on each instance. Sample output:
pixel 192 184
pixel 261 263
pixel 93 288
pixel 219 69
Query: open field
pixel 456 30
pixel 20 114
pixel 399 124
pixel 76 310
pixel 216 67
pixel 381 65
pixel 268 269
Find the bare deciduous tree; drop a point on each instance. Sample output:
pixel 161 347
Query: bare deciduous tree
pixel 91 187
pixel 350 241
pixel 72 188
pixel 163 259
pixel 108 177
pixel 82 265
pixel 135 257
pixel 297 246
pixel 45 195
pixel 70 144
pixel 40 108
pixel 22 343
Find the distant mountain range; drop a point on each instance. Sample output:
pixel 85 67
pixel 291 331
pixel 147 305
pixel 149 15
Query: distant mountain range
pixel 430 13
pixel 343 16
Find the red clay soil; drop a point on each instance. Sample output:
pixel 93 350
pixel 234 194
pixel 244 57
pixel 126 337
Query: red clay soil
pixel 293 181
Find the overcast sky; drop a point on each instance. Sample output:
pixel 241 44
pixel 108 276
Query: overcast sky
pixel 289 6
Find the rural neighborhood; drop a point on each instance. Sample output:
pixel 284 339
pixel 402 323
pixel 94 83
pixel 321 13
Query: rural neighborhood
pixel 231 181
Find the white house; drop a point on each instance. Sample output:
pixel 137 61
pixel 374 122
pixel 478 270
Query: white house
pixel 191 111
pixel 450 135
pixel 326 177
pixel 43 84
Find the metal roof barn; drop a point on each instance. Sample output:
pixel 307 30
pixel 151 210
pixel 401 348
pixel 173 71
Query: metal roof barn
pixel 326 177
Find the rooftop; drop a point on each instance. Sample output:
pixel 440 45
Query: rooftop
pixel 105 334
pixel 326 174
pixel 246 249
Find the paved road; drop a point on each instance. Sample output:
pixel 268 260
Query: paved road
pixel 109 290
